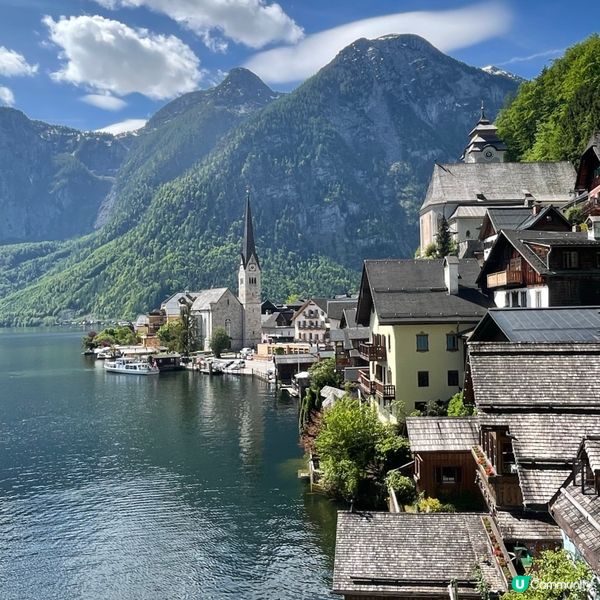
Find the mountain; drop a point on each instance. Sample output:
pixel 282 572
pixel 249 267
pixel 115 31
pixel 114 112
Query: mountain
pixel 492 70
pixel 337 171
pixel 53 179
pixel 554 115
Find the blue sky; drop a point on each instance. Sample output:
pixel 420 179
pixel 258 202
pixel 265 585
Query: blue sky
pixel 93 63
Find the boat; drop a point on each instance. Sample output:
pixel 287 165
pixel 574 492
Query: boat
pixel 107 353
pixel 131 366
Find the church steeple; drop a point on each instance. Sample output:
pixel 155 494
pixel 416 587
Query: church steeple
pixel 484 144
pixel 248 247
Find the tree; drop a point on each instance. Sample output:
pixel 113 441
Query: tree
pixel 457 407
pixel 323 373
pixel 169 335
pixel 355 451
pixel 188 336
pixel 443 239
pixel 89 341
pixel 219 341
pixel 555 575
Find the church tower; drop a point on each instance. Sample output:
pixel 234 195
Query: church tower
pixel 484 144
pixel 249 283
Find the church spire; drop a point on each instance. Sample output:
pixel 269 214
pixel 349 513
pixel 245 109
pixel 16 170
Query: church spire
pixel 248 248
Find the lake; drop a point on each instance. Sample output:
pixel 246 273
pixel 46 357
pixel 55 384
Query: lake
pixel 128 487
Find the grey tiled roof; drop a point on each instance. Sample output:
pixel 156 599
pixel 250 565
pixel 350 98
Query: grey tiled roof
pixel 507 217
pixel 335 308
pixel 500 182
pixel 415 291
pixel 526 376
pixel 403 554
pixel 578 514
pixel 348 334
pixel 539 485
pixel 519 527
pixel 207 297
pixel 349 316
pixel 442 434
pixel 554 324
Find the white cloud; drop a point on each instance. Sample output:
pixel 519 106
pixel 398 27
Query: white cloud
pixel 12 64
pixel 254 23
pixel 109 56
pixel 447 30
pixel 7 98
pixel 545 54
pixel 104 101
pixel 123 126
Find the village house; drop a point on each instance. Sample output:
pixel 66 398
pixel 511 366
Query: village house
pixel 534 218
pixel 346 341
pixel 587 184
pixel 418 312
pixel 576 505
pixel 407 555
pixel 310 321
pixel 543 268
pixel 460 192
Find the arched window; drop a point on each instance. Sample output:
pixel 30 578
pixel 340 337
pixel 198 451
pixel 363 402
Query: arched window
pixel 228 327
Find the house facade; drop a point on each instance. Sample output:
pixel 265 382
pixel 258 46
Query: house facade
pixel 310 322
pixel 543 268
pixel 418 312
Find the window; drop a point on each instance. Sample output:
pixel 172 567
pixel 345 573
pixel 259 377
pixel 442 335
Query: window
pixel 507 300
pixel 524 299
pixel 570 259
pixel 514 299
pixel 422 342
pixel 468 234
pixel 228 326
pixel 538 299
pixel 423 378
pixel 451 342
pixel 453 378
pixel 448 475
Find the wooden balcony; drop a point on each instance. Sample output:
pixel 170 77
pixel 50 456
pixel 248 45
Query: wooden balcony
pixel 366 385
pixel 384 391
pixel 372 352
pixel 501 491
pixel 513 275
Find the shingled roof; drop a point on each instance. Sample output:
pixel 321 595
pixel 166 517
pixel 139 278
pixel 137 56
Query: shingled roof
pixel 541 377
pixel 498 183
pixel 518 527
pixel 554 324
pixel 442 434
pixel 404 291
pixel 405 554
pixel 545 446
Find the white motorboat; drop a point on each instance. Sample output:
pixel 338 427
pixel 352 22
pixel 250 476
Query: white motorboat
pixel 131 366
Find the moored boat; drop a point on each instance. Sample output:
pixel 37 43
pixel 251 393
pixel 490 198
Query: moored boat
pixel 131 366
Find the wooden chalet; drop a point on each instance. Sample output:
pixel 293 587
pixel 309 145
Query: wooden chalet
pixel 407 555
pixel 542 268
pixel 442 451
pixel 576 505
pixel 346 341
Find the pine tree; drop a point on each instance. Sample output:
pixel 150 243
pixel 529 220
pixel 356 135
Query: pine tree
pixel 443 239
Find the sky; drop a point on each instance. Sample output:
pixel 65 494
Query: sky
pixel 111 64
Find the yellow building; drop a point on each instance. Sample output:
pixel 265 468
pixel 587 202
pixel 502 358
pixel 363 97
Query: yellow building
pixel 418 312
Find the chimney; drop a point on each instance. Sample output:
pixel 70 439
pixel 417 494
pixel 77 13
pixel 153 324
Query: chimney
pixel 451 274
pixel 528 202
pixel 537 207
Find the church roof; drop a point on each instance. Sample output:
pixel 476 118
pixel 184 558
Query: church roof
pixel 207 297
pixel 248 247
pixel 499 183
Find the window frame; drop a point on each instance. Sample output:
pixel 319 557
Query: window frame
pixel 420 381
pixel 453 371
pixel 421 336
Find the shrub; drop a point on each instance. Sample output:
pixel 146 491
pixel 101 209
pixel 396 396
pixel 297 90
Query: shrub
pixel 404 487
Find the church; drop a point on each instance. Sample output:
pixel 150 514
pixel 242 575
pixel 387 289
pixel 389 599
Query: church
pixel 462 192
pixel 239 315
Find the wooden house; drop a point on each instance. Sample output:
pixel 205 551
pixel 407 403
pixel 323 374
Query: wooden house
pixel 406 555
pixel 542 268
pixel 346 341
pixel 576 505
pixel 442 451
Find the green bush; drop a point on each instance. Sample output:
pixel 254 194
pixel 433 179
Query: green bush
pixel 403 486
pixel 433 505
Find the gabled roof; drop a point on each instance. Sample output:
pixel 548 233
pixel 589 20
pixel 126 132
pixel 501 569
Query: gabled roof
pixel 499 183
pixel 348 334
pixel 348 317
pixel 442 434
pixel 407 554
pixel 555 324
pixel 518 527
pixel 413 291
pixel 507 376
pixel 592 450
pixel 205 298
pixel 321 303
pixel 335 308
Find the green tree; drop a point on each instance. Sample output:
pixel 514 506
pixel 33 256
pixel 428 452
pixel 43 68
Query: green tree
pixel 354 448
pixel 188 341
pixel 457 407
pixel 552 567
pixel 169 335
pixel 443 239
pixel 89 342
pixel 403 486
pixel 323 373
pixel 219 341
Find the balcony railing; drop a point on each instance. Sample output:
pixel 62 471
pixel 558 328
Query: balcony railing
pixel 366 385
pixel 372 352
pixel 502 491
pixel 384 390
pixel 513 275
